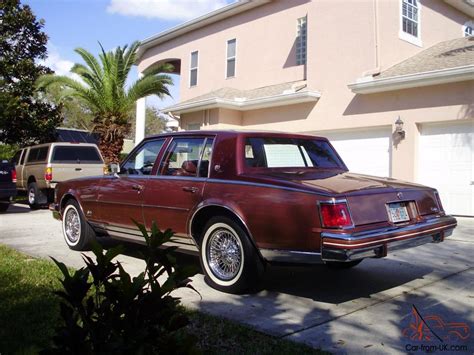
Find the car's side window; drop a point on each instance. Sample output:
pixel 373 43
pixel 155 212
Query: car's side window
pixel 142 160
pixel 182 157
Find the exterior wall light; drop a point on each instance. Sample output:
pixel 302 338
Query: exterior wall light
pixel 399 128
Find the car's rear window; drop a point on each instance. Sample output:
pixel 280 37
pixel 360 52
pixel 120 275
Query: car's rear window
pixel 290 153
pixel 76 154
pixel 38 155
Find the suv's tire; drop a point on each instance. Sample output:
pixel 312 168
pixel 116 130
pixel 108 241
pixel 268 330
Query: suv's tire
pixel 77 232
pixel 229 260
pixel 4 204
pixel 342 265
pixel 34 196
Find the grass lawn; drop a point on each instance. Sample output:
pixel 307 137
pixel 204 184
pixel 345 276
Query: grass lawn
pixel 29 312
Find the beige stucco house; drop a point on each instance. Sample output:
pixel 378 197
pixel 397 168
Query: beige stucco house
pixel 347 70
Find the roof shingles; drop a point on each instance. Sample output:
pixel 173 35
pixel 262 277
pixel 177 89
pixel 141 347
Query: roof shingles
pixel 445 55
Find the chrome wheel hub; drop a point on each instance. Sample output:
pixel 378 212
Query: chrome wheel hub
pixel 224 254
pixel 31 196
pixel 72 225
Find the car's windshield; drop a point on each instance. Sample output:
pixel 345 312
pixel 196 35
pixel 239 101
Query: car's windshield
pixel 290 153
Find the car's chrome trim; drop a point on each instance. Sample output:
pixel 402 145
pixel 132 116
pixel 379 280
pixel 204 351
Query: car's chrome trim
pixel 185 247
pixel 404 236
pixel 433 230
pixel 167 207
pixel 291 256
pixel 380 232
pixel 270 186
pixel 378 250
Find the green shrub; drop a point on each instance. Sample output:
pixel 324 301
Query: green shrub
pixel 7 151
pixel 105 310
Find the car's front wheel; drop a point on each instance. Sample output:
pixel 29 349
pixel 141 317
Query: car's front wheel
pixel 229 260
pixel 76 230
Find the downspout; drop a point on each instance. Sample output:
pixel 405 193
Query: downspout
pixel 376 35
pixel 376 69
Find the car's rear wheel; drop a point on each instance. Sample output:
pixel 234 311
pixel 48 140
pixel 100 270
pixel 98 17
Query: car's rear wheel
pixel 229 260
pixel 4 204
pixel 342 265
pixel 77 232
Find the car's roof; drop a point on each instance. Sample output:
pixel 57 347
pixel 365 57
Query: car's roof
pixel 61 144
pixel 231 132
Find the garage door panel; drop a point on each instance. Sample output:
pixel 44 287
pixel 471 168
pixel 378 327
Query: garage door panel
pixel 446 162
pixel 366 152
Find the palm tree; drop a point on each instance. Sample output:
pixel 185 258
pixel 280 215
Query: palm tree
pixel 102 89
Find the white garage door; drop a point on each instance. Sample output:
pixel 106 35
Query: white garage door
pixel 365 152
pixel 446 162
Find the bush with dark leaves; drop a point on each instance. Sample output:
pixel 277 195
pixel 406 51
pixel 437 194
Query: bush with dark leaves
pixel 105 310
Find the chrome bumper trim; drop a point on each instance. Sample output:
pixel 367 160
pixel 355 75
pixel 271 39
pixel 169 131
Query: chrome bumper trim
pixel 433 222
pixel 291 256
pixel 432 233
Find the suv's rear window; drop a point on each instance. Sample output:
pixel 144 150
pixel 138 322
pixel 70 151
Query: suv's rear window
pixel 76 154
pixel 38 154
pixel 290 153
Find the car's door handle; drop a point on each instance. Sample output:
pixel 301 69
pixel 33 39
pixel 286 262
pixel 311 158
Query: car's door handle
pixel 190 189
pixel 78 169
pixel 138 188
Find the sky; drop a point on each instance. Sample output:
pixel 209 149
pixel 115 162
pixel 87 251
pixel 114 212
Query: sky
pixel 83 23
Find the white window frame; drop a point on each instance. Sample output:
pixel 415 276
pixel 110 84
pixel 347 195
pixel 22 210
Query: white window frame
pixel 465 26
pixel 230 58
pixel 407 36
pixel 191 68
pixel 300 54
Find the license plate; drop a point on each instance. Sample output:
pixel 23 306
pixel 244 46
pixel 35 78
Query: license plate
pixel 398 212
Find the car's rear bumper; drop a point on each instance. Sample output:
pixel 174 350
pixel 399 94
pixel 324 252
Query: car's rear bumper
pixel 377 243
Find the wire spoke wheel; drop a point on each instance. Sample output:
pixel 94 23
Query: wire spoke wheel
pixel 72 225
pixel 224 254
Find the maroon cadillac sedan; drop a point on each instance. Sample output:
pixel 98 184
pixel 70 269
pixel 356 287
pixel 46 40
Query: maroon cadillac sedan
pixel 240 200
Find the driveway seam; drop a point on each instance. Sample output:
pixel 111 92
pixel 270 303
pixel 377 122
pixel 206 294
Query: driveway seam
pixel 373 304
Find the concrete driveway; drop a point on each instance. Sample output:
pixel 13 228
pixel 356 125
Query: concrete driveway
pixel 366 309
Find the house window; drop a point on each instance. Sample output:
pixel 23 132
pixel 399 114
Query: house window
pixel 468 29
pixel 301 39
pixel 193 71
pixel 410 13
pixel 231 53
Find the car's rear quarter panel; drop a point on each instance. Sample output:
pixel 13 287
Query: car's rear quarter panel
pixel 276 218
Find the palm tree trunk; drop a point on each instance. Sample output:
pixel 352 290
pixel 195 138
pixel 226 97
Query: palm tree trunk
pixel 111 139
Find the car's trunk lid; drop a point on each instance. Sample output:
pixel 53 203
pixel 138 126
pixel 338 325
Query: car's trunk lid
pixel 369 197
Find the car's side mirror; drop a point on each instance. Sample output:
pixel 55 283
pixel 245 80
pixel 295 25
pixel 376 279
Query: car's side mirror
pixel 114 168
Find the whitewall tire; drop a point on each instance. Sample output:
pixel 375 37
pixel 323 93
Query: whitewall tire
pixel 77 232
pixel 228 258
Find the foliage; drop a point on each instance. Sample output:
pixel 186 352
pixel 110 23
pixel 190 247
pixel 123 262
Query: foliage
pixel 104 91
pixel 75 112
pixel 30 312
pixel 154 123
pixel 26 117
pixel 115 313
pixel 7 151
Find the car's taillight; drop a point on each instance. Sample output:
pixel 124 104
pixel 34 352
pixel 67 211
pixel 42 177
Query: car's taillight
pixel 14 176
pixel 48 174
pixel 438 200
pixel 335 215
